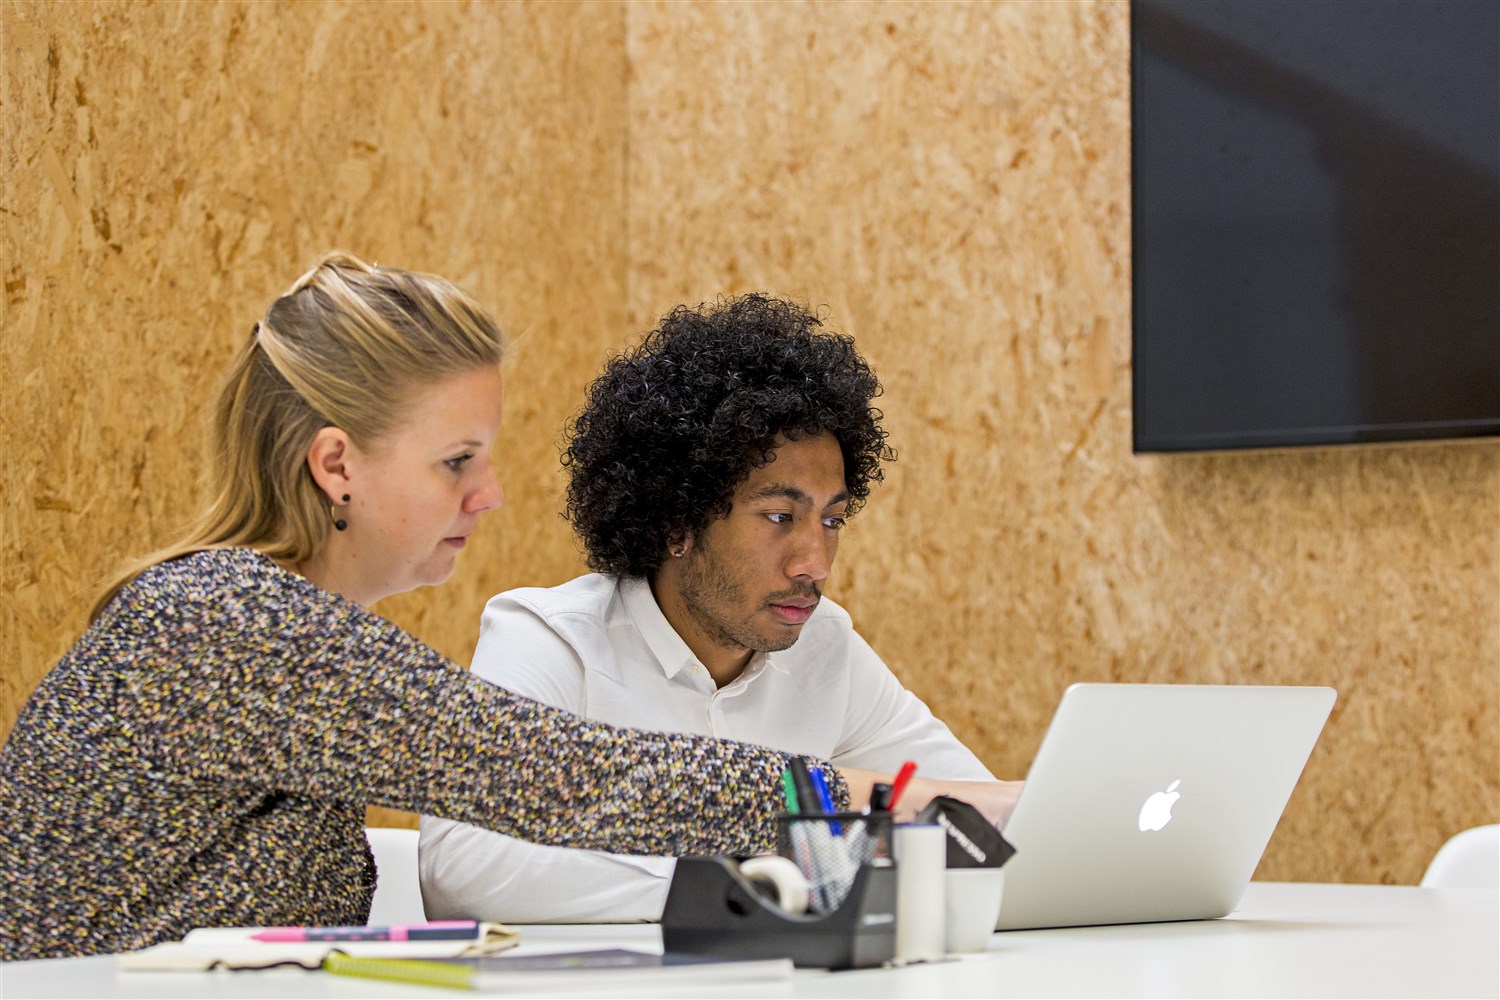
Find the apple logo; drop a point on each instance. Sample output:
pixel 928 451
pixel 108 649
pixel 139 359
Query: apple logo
pixel 1157 812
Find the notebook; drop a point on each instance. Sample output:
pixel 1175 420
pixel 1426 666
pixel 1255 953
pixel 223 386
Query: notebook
pixel 1150 802
pixel 571 972
pixel 235 948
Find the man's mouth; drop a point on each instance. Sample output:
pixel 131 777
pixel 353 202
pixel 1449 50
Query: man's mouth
pixel 794 610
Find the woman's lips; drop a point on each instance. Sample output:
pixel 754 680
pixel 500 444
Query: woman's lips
pixel 458 541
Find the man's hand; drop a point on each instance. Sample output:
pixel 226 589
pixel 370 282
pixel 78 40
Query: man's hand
pixel 993 799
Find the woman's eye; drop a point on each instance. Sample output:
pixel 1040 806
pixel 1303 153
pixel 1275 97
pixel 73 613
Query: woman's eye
pixel 457 464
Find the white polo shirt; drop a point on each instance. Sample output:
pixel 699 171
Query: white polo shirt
pixel 599 646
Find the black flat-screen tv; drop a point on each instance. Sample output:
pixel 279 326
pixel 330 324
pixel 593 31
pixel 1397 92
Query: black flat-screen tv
pixel 1316 222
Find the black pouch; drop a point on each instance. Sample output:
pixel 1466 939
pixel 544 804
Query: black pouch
pixel 973 841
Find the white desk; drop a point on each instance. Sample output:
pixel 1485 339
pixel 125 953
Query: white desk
pixel 1286 940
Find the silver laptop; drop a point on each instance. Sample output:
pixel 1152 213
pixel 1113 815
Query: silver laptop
pixel 1154 801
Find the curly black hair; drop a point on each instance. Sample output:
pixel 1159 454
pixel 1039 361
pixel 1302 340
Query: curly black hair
pixel 674 425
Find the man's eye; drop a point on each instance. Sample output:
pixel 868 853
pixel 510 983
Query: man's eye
pixel 779 518
pixel 834 523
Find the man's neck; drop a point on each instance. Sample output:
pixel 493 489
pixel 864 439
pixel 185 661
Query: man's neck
pixel 724 664
pixel 726 674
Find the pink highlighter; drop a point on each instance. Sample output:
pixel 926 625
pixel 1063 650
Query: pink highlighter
pixel 437 930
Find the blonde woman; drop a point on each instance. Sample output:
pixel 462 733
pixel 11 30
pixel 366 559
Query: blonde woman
pixel 204 753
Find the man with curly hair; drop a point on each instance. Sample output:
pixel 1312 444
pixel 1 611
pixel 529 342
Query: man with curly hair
pixel 712 470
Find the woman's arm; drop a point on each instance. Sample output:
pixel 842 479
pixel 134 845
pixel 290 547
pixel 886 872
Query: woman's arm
pixel 271 683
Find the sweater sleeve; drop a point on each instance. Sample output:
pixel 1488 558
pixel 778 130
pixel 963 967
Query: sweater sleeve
pixel 272 683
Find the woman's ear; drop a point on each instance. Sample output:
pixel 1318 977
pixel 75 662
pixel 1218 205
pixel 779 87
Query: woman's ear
pixel 326 460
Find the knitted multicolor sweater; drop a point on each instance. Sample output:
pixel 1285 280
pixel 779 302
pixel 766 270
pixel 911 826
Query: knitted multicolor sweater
pixel 203 756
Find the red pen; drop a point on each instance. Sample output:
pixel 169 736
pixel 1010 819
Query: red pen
pixel 903 778
pixel 437 930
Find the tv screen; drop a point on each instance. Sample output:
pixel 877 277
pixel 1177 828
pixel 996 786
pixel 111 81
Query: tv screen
pixel 1316 216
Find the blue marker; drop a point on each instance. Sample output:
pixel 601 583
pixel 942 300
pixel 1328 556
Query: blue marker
pixel 825 798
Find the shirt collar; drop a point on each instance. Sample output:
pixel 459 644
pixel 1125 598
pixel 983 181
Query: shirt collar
pixel 672 654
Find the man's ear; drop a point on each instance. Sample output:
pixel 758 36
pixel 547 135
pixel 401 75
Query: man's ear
pixel 679 544
pixel 327 459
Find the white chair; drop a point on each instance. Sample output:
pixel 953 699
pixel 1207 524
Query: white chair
pixel 398 890
pixel 1470 860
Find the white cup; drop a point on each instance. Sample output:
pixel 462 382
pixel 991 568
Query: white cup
pixel 971 906
pixel 921 856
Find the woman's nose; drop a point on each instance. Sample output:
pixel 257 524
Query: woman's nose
pixel 487 497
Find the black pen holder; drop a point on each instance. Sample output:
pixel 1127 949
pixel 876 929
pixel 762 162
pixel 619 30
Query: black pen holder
pixel 830 850
pixel 712 909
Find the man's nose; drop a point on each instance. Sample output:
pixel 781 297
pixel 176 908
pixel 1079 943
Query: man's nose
pixel 813 556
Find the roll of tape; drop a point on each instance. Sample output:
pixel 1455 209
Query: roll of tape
pixel 787 883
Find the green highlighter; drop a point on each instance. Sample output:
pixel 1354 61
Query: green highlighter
pixel 403 970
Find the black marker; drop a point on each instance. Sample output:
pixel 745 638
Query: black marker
pixel 807 793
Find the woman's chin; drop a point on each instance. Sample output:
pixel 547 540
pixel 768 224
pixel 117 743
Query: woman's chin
pixel 441 570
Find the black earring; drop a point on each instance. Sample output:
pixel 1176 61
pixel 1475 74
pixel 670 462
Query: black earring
pixel 339 523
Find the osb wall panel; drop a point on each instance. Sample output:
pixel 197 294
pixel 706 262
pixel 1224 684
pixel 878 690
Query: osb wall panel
pixel 169 168
pixel 951 182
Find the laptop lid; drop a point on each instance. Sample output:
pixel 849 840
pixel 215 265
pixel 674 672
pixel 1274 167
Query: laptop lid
pixel 1154 802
